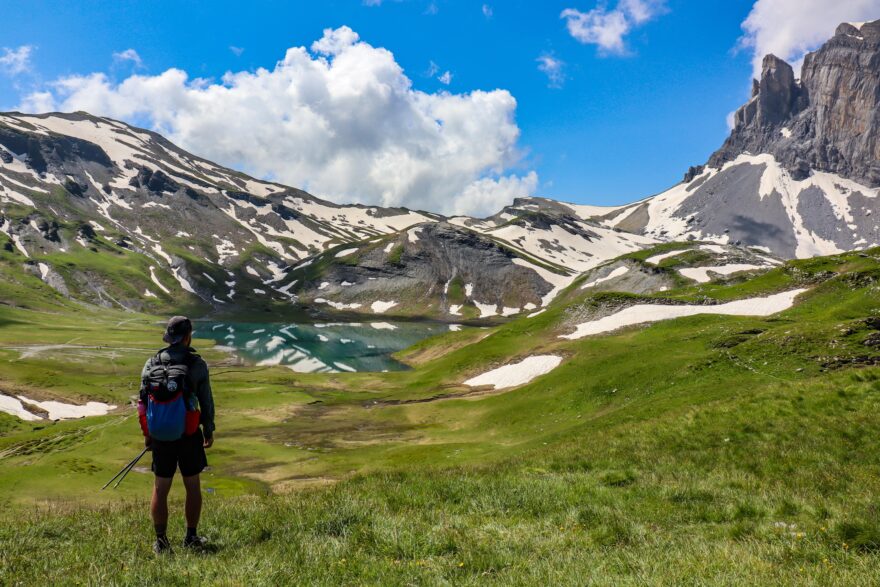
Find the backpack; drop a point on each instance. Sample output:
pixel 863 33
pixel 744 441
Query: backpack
pixel 169 391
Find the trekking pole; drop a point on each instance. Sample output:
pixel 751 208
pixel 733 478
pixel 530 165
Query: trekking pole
pixel 125 469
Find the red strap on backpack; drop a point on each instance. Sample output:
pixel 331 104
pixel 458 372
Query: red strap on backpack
pixel 142 417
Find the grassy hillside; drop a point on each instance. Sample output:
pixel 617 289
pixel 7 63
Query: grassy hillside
pixel 704 450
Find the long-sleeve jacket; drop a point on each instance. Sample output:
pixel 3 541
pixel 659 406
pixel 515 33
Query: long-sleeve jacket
pixel 201 384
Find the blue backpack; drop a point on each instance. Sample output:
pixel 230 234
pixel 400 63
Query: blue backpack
pixel 169 397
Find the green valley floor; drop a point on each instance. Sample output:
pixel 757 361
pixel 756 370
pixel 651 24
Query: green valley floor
pixel 705 450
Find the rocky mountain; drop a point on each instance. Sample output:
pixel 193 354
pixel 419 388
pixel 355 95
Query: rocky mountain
pixel 800 171
pixel 111 214
pixel 107 213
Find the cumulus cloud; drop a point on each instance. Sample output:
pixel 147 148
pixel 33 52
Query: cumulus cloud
pixel 553 68
pixel 341 120
pixel 791 28
pixel 129 55
pixel 445 78
pixel 491 195
pixel 16 61
pixel 606 28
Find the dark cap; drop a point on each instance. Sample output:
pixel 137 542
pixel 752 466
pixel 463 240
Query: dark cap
pixel 178 328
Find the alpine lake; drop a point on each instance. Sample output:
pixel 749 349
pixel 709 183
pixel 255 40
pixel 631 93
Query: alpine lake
pixel 319 347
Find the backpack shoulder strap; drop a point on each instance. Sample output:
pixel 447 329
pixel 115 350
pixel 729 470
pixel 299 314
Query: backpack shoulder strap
pixel 157 358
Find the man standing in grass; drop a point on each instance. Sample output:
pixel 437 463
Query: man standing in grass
pixel 176 413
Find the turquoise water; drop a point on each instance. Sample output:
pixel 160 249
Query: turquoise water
pixel 320 348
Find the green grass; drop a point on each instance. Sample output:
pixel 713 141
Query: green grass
pixel 704 450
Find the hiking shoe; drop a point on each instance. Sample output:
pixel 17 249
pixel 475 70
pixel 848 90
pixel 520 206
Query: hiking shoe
pixel 162 546
pixel 197 543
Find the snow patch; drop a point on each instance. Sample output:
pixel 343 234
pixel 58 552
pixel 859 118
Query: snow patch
pixel 701 274
pixel 13 406
pixel 655 259
pixel 380 307
pixel 64 411
pixel 644 313
pixel 156 280
pixel 516 374
pixel 486 310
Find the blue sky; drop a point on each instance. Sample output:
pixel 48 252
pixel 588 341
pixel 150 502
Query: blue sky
pixel 616 126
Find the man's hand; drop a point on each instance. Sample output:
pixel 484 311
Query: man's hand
pixel 148 443
pixel 209 441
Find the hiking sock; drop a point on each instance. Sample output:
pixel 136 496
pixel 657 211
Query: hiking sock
pixel 191 533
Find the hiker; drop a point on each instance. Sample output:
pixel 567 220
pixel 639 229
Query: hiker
pixel 175 399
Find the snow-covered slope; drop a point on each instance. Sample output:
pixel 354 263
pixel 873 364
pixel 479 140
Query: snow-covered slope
pixel 799 173
pixel 73 182
pixel 754 201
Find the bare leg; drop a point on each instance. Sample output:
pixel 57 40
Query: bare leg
pixel 159 506
pixel 193 500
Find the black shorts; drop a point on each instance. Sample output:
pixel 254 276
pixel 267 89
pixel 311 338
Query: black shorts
pixel 188 453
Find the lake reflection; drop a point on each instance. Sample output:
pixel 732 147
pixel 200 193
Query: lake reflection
pixel 320 348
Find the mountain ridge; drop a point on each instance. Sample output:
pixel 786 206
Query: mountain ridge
pixel 70 181
pixel 786 182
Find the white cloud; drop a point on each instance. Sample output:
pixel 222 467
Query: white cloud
pixel 791 28
pixel 38 102
pixel 553 68
pixel 607 28
pixel 335 41
pixel 730 119
pixel 129 55
pixel 488 12
pixel 342 121
pixel 236 50
pixel 444 78
pixel 487 196
pixel 16 61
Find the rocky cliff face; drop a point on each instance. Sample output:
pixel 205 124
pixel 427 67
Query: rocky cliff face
pixel 799 174
pixel 436 269
pixel 828 121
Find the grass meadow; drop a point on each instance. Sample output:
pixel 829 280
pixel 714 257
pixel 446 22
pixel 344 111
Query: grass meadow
pixel 709 450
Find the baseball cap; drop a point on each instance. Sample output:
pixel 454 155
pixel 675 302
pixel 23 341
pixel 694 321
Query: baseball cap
pixel 177 329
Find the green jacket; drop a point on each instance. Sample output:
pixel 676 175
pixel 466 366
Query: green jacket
pixel 200 379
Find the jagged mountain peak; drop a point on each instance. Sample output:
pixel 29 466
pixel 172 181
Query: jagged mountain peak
pixel 799 173
pixel 827 120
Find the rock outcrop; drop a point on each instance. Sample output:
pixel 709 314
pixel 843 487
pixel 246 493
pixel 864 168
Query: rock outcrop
pixel 799 174
pixel 829 120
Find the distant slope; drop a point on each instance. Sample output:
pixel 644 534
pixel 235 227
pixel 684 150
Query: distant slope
pixel 799 174
pixel 81 194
